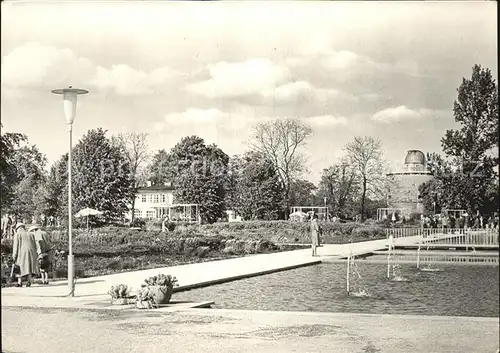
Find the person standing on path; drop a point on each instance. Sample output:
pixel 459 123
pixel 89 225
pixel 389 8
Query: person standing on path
pixel 44 251
pixel 24 255
pixel 315 233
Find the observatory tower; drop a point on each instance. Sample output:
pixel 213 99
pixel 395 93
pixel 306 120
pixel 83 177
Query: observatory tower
pixel 403 193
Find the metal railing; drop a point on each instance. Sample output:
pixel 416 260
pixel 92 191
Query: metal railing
pixel 449 258
pixel 448 236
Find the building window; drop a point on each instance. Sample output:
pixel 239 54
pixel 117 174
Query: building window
pixel 143 198
pixel 150 214
pixel 138 213
pixel 149 198
pixel 163 198
pixel 156 198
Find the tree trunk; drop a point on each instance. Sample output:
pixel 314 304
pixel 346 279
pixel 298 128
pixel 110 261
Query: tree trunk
pixel 132 216
pixel 363 197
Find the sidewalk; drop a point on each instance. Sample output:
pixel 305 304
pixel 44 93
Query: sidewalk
pixel 218 330
pixel 189 276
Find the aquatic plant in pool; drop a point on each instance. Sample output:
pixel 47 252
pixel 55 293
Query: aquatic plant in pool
pixel 457 290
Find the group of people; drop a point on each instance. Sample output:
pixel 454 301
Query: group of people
pixel 464 221
pixel 9 222
pixel 32 254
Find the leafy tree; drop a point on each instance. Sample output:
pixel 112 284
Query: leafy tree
pixel 197 172
pixel 23 175
pixel 280 141
pixel 365 156
pixel 476 109
pixel 302 193
pixel 468 178
pixel 162 168
pixel 101 178
pixel 254 189
pixel 9 142
pixel 56 189
pixel 235 167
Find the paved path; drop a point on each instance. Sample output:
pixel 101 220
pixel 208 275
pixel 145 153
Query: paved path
pixel 212 330
pixel 215 330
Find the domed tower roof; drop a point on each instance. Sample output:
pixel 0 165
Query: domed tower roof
pixel 415 157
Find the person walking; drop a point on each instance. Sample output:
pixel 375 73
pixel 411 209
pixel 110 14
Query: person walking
pixel 24 254
pixel 315 233
pixel 44 252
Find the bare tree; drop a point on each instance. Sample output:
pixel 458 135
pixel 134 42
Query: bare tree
pixel 365 155
pixel 340 185
pixel 280 141
pixel 135 146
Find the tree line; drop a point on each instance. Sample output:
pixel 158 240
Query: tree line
pixel 107 171
pixel 263 182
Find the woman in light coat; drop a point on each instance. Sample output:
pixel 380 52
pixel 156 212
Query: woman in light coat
pixel 315 233
pixel 24 255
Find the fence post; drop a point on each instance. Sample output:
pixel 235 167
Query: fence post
pixel 418 257
pixel 348 272
pixel 389 258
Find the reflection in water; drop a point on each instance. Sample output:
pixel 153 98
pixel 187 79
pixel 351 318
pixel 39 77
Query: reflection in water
pixel 458 290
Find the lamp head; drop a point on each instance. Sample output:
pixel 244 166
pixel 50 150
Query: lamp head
pixel 70 97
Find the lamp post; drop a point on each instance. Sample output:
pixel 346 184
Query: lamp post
pixel 70 96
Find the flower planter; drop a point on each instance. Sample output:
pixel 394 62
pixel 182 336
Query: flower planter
pixel 161 294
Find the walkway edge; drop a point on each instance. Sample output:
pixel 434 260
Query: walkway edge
pixel 246 275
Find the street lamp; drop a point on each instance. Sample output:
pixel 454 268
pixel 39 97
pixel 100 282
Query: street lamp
pixel 70 96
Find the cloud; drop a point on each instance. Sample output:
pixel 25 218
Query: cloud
pixel 326 120
pixel 125 80
pixel 240 78
pixel 291 90
pixel 34 66
pixel 329 59
pixel 401 113
pixel 288 90
pixel 201 119
pixel 336 60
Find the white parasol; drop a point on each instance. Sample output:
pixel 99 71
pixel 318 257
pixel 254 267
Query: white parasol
pixel 86 212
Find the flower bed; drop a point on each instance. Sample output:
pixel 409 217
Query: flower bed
pixel 114 249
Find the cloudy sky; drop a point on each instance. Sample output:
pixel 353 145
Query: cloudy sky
pixel 388 70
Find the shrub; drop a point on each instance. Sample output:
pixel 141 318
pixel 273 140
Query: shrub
pixel 170 226
pixel 367 232
pixel 138 223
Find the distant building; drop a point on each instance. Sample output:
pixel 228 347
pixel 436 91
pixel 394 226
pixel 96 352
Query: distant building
pixel 403 193
pixel 153 202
